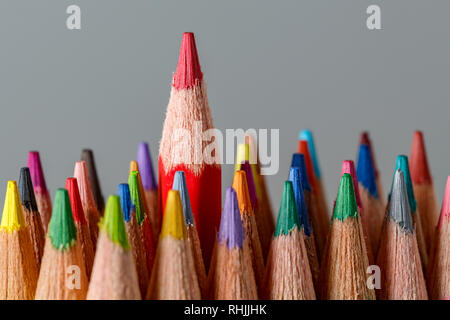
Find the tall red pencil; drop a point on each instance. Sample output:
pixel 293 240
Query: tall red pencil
pixel 182 145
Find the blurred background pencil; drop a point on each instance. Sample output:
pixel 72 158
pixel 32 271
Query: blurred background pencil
pixel 174 276
pixel 288 275
pixel 135 238
pixel 18 265
pixel 62 275
pixel 231 275
pixel 87 155
pixel 114 274
pixel 31 214
pixel 423 187
pixel 398 258
pixel 41 193
pixel 188 108
pixel 365 139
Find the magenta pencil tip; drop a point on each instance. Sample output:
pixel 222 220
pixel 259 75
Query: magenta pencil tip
pixel 36 171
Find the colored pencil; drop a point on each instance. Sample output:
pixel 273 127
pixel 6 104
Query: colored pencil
pixel 263 213
pixel 399 260
pixel 87 155
pixel 343 274
pixel 174 276
pixel 423 188
pixel 135 237
pixel 62 275
pixel 319 216
pixel 298 180
pixel 231 275
pixel 288 275
pixel 87 200
pixel 402 165
pixel 18 265
pixel 365 139
pixel 31 214
pixel 438 274
pixel 249 222
pixel 188 106
pixel 373 215
pixel 348 166
pixel 179 184
pixel 114 274
pixel 143 223
pixel 149 183
pixel 41 193
pixel 83 234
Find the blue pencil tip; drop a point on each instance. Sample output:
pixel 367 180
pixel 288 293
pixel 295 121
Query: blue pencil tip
pixel 295 177
pixel 123 191
pixel 298 161
pixel 308 136
pixel 403 165
pixel 179 183
pixel 365 170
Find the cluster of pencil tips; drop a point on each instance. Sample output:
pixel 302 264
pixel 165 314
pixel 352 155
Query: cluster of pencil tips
pixel 173 240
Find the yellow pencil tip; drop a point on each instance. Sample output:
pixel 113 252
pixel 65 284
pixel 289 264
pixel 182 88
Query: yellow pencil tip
pixel 134 166
pixel 12 219
pixel 242 154
pixel 173 222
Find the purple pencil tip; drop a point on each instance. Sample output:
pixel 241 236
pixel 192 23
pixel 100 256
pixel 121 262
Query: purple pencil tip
pixel 37 174
pixel 250 183
pixel 231 230
pixel 146 167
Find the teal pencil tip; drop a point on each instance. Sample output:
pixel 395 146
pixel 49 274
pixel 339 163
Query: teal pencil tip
pixel 345 205
pixel 288 217
pixel 403 165
pixel 308 136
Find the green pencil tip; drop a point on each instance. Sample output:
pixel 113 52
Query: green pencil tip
pixel 62 230
pixel 136 196
pixel 113 224
pixel 287 215
pixel 346 201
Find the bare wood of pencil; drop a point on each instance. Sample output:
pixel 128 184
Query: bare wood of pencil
pixel 174 276
pixel 62 275
pixel 398 258
pixel 135 237
pixel 114 274
pixel 231 275
pixel 18 265
pixel 31 213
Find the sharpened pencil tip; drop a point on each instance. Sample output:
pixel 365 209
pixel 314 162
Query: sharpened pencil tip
pixel 61 229
pixel 296 179
pixel 123 191
pixel 298 161
pixel 348 166
pixel 36 171
pixel 75 200
pixel 26 190
pixel 308 136
pixel 403 166
pixel 241 188
pixel 420 171
pixel 445 209
pixel 173 221
pixel 365 170
pixel 136 196
pixel 179 184
pixel 231 230
pixel 188 72
pixel 242 155
pixel 113 224
pixel 303 148
pixel 288 217
pixel 345 205
pixel 247 168
pixel 12 218
pixel 399 210
pixel 144 160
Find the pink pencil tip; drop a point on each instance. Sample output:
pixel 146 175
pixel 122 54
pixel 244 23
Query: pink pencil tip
pixel 445 209
pixel 348 166
pixel 36 171
pixel 188 72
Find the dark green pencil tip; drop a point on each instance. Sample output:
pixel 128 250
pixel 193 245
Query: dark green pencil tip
pixel 346 201
pixel 287 215
pixel 62 230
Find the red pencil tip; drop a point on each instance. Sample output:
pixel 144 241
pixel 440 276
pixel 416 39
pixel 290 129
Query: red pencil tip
pixel 304 149
pixel 418 163
pixel 75 200
pixel 188 72
pixel 365 138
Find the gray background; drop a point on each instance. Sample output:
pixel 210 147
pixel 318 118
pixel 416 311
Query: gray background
pixel 277 64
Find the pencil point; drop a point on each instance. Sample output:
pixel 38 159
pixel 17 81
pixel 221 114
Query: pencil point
pixel 87 155
pixel 75 200
pixel 173 221
pixel 298 161
pixel 231 230
pixel 62 230
pixel 365 170
pixel 242 154
pixel 348 166
pixel 445 209
pixel 188 72
pixel 241 188
pixel 420 172
pixel 295 177
pixel 308 136
pixel 12 218
pixel 247 168
pixel 112 222
pixel 303 148
pixel 123 190
pixel 37 174
pixel 26 190
pixel 403 166
pixel 288 218
pixel 365 139
pixel 399 210
pixel 345 206
pixel 144 160
pixel 134 166
pixel 179 184
pixel 136 196
pixel 84 185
